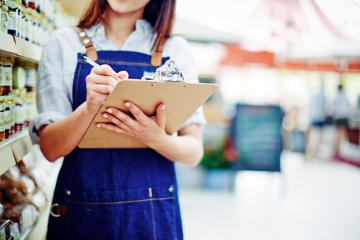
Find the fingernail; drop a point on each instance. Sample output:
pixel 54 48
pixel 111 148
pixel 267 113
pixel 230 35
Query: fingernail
pixel 163 107
pixel 98 125
pixel 105 116
pixel 109 110
pixel 127 104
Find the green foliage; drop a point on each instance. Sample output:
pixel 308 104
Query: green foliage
pixel 214 158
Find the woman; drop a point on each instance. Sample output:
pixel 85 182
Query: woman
pixel 113 193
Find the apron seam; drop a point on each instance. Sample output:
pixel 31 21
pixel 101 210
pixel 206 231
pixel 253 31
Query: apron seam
pixel 174 217
pixel 77 86
pixel 153 218
pixel 121 202
pixel 125 63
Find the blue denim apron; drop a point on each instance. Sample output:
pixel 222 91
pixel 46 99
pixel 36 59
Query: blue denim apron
pixel 115 193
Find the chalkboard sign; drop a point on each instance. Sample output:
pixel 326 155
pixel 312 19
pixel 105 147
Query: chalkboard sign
pixel 256 135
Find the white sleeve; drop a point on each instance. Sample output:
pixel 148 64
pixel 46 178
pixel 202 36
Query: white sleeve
pixel 53 103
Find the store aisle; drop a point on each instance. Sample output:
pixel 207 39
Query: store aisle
pixel 314 200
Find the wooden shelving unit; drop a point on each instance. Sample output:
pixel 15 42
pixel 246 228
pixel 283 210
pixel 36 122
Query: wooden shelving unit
pixel 23 51
pixel 12 150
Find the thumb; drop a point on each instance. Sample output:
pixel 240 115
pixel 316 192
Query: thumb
pixel 160 114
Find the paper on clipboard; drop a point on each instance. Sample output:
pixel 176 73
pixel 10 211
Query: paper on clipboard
pixel 181 99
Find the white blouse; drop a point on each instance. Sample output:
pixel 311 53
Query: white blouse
pixel 59 59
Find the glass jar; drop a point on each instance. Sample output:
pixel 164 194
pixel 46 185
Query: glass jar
pixel 12 23
pixel 7 76
pixel 27 25
pixel 24 120
pixel 12 116
pixel 17 111
pixel 4 18
pixel 7 116
pixel 19 77
pixel 30 79
pixel 2 118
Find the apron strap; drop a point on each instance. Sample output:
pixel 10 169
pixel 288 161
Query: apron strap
pixel 156 58
pixel 60 210
pixel 87 43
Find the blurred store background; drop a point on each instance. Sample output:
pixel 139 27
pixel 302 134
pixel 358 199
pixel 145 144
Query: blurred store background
pixel 276 166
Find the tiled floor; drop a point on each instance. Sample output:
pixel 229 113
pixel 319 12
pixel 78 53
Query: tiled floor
pixel 312 200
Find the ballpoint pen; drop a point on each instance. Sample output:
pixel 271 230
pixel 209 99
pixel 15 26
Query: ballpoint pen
pixel 94 64
pixel 89 61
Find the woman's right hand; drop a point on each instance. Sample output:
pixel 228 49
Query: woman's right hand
pixel 99 84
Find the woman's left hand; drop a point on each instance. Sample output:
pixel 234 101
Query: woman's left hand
pixel 149 130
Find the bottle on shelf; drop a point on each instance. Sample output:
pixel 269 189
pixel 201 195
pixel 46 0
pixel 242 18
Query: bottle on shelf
pixel 13 21
pixel 7 101
pixel 7 65
pixel 2 118
pixel 4 16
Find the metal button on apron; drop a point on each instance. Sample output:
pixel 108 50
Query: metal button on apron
pixel 171 188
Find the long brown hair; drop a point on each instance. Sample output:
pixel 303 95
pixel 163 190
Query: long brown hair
pixel 160 14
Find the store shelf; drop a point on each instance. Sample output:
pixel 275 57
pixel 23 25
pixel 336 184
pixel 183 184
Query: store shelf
pixel 19 49
pixel 7 44
pixel 12 150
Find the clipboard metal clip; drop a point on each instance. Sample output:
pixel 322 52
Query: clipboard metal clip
pixel 169 72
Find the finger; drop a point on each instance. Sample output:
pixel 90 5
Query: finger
pixel 160 117
pixel 94 78
pixel 112 127
pixel 123 75
pixel 123 118
pixel 100 88
pixel 105 70
pixel 117 121
pixel 137 113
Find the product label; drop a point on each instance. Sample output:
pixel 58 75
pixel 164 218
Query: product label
pixel 12 116
pixel 7 119
pixel 27 29
pixel 11 23
pixel 3 22
pixel 7 76
pixel 18 114
pixel 2 121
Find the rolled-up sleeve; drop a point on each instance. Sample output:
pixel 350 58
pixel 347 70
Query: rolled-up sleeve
pixel 52 99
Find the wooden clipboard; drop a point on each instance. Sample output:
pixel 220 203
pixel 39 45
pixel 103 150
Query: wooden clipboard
pixel 181 99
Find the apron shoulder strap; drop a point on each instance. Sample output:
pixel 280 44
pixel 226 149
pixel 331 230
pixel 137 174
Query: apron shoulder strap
pixel 87 43
pixel 156 58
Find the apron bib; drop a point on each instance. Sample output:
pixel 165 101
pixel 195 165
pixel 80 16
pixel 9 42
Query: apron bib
pixel 115 193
